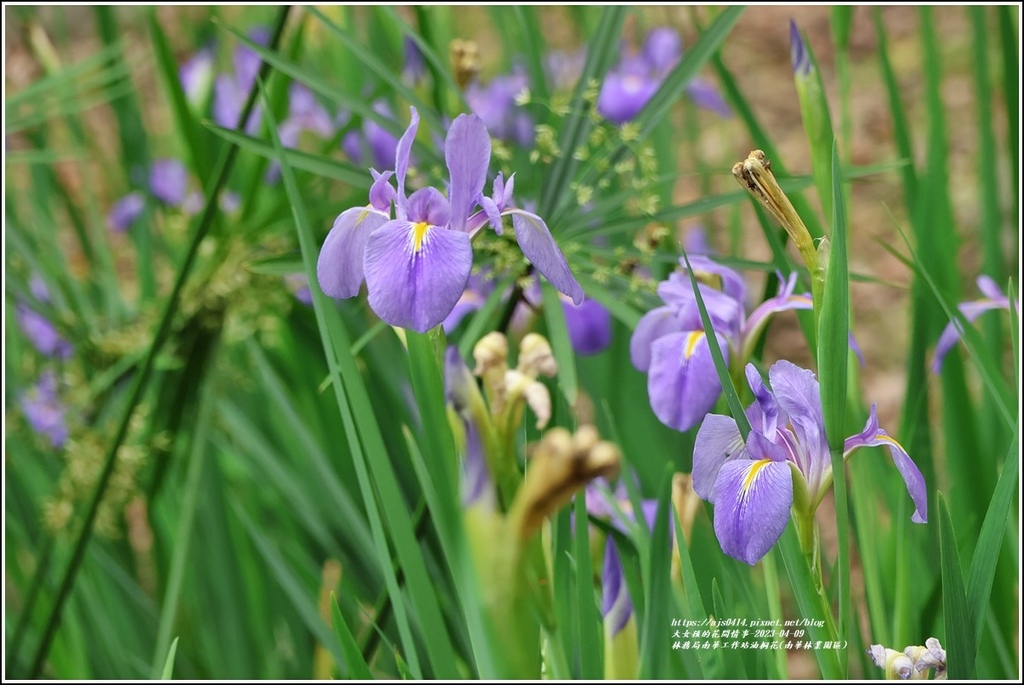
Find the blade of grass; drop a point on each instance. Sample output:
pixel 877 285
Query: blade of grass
pixel 957 620
pixel 354 664
pixel 833 355
pixel 990 540
pixel 183 534
pixel 139 383
pixel 167 673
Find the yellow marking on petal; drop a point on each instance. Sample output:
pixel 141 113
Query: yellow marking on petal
pixel 419 232
pixel 365 213
pixel 692 340
pixel 752 473
pixel 800 298
pixel 886 439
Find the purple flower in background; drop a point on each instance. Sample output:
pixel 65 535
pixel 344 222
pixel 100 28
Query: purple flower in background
pixel 168 181
pixel 630 84
pixel 798 53
pixel 416 265
pixel 589 325
pixel 125 211
pixel 670 345
pixel 41 333
pixel 752 483
pixel 994 298
pixel 564 68
pixel 495 104
pixel 231 90
pixel 298 284
pixel 44 411
pixel 305 113
pixel 414 68
pixel 196 75
pixel 380 142
pixel 478 289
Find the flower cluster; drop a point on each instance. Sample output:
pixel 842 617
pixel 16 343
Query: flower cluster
pixel 417 263
pixel 633 81
pixel 912 662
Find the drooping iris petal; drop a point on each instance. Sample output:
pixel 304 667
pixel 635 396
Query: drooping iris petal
pixel 706 96
pixel 682 382
pixel 785 300
pixel 616 605
pixel 339 268
pixel 652 325
pixel 952 332
pixel 872 436
pixel 589 325
pixel 718 441
pixel 467 151
pixel 752 500
pixel 797 392
pixel 477 487
pixel 416 273
pixel 540 248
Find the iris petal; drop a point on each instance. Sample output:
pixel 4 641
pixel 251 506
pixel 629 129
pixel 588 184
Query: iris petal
pixel 682 382
pixel 339 268
pixel 873 436
pixel 797 392
pixel 718 441
pixel 652 325
pixel 536 242
pixel 589 326
pixel 416 288
pixel 467 151
pixel 616 605
pixel 752 502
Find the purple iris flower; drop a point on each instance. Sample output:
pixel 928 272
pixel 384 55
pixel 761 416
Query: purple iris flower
pixel 168 181
pixel 125 211
pixel 495 104
pixel 231 90
pixel 381 142
pixel 478 289
pixel 305 113
pixel 670 345
pixel 414 68
pixel 589 325
pixel 630 84
pixel 616 604
pixel 196 74
pixel 417 264
pixel 477 485
pixel 298 284
pixel 563 68
pixel 44 411
pixel 752 484
pixel 42 334
pixel 994 298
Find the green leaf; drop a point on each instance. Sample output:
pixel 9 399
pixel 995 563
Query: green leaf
pixel 957 620
pixel 168 670
pixel 990 540
pixel 355 665
pixel 728 387
pixel 561 346
pixel 654 656
pixel 809 603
